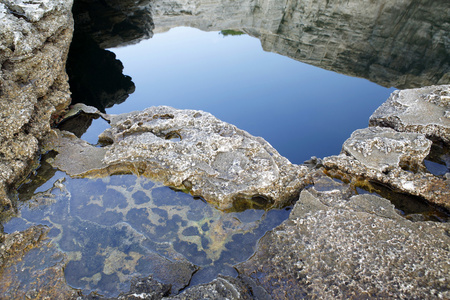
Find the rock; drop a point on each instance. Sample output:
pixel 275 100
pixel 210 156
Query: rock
pixel 31 267
pixel 189 150
pixel 354 247
pixel 224 287
pixel 384 149
pixel 396 157
pixel 425 110
pixel 402 43
pixel 34 40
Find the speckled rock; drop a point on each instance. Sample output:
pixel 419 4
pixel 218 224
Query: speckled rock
pixel 34 40
pixel 424 110
pixel 191 150
pixel 351 247
pixel 384 149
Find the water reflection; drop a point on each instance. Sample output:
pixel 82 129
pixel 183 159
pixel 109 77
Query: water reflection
pixel 119 227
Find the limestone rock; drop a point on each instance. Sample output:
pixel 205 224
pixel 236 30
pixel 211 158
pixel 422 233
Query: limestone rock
pixel 34 40
pixel 425 110
pixel 361 249
pixel 432 188
pixel 383 149
pixel 186 149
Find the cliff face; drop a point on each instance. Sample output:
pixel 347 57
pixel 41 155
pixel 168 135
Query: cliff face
pixel 34 41
pixel 402 44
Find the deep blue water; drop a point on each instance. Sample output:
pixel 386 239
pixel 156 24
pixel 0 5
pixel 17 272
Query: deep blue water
pixel 301 110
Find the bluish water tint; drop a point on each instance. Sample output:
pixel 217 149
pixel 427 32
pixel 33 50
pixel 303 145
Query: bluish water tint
pixel 124 226
pixel 301 110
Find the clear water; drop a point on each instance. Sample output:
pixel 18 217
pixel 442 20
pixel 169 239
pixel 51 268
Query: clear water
pixel 115 228
pixel 300 109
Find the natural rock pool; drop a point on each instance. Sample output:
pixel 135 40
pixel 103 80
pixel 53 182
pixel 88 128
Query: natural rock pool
pixel 117 214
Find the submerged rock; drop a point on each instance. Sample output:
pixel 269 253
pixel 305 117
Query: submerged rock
pixel 34 41
pixel 336 246
pixel 190 150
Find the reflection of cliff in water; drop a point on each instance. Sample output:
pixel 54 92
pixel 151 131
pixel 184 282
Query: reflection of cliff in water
pixel 400 43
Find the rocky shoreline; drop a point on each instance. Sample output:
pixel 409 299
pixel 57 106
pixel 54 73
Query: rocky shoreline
pixel 335 244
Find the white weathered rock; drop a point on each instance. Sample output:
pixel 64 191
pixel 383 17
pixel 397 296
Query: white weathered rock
pixel 326 250
pixel 424 110
pixel 34 42
pixel 383 149
pixel 186 149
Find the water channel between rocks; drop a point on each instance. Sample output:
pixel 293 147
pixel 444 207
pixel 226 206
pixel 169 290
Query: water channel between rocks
pixel 119 227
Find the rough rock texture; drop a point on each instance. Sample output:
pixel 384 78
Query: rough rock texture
pixel 34 40
pixel 336 247
pixel 396 158
pixel 186 149
pixel 425 110
pixel 402 43
pixel 384 149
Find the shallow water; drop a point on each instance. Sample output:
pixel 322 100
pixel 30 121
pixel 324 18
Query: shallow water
pixel 116 228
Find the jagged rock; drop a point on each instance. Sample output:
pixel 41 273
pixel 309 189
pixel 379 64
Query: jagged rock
pixel 432 188
pixel 402 43
pixel 225 287
pixel 34 40
pixel 186 149
pixel 336 247
pixel 384 149
pixel 425 110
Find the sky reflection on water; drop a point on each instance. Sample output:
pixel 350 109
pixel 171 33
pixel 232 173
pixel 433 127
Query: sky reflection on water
pixel 301 110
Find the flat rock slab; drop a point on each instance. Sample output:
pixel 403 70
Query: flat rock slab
pixel 186 149
pixel 424 110
pixel 384 148
pixel 345 248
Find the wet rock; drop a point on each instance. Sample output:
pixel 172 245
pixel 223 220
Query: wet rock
pixel 34 40
pixel 186 149
pixel 31 267
pixel 384 149
pixel 425 110
pixel 354 247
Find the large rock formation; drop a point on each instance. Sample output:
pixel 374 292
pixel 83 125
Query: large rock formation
pixel 396 157
pixel 402 44
pixel 34 41
pixel 186 149
pixel 338 246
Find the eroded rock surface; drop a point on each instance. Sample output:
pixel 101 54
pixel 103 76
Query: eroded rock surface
pixel 425 110
pixel 338 246
pixel 383 149
pixel 34 40
pixel 187 149
pixel 395 157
